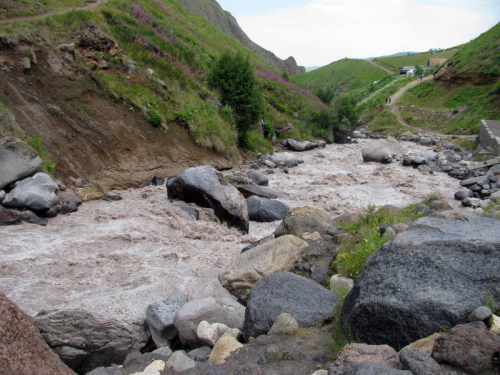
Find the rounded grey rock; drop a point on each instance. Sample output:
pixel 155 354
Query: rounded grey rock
pixel 480 314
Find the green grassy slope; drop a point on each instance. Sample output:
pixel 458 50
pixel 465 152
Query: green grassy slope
pixel 342 76
pixel 394 62
pixel 180 48
pixel 474 94
pixel 481 55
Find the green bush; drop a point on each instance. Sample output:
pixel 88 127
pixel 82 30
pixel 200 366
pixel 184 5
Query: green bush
pixel 233 76
pixel 155 118
pixel 48 165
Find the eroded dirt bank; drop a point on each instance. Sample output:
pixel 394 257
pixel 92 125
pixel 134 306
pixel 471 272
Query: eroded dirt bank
pixel 106 244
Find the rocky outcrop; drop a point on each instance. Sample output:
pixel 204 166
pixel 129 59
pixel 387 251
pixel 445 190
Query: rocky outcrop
pixel 22 348
pixel 104 327
pixel 17 160
pixel 308 302
pixel 207 188
pixel 430 276
pixel 212 11
pixel 278 255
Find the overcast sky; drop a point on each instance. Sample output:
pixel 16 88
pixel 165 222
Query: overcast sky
pixel 318 32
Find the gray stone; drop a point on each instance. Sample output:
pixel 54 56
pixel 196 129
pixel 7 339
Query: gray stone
pixel 495 197
pixel 32 218
pixel 368 368
pixel 108 324
pixel 207 188
pixel 286 158
pixel 277 255
pixel 441 205
pixel 179 362
pixel 333 230
pixel 2 195
pixel 259 178
pixel 265 210
pixel 37 193
pixel 471 202
pixel 17 160
pixel 480 314
pixel 422 208
pixel 308 302
pixel 420 363
pixel 9 217
pixel 249 190
pixel 55 64
pixel 469 182
pixel 213 310
pixel 191 211
pixel 464 193
pixel 285 324
pixel 341 285
pixel 211 333
pixel 381 150
pixel 68 201
pixel 302 220
pixel 160 318
pixel 301 145
pixel 428 277
pixel 200 354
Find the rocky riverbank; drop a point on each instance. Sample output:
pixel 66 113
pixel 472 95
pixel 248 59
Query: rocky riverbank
pixel 91 275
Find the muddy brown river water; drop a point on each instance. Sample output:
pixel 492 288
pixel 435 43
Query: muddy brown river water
pixel 106 244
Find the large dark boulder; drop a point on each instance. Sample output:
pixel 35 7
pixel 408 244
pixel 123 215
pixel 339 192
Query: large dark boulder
pixel 429 277
pixel 284 292
pixel 22 348
pixel 17 160
pixel 207 188
pixel 265 210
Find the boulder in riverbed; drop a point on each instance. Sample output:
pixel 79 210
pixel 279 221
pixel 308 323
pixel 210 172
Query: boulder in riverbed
pixel 37 193
pixel 381 150
pixel 428 277
pixel 265 210
pixel 308 302
pixel 277 255
pixel 207 188
pixel 17 160
pixel 107 325
pixel 302 220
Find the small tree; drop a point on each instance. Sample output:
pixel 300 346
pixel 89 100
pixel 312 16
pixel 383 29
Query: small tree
pixel 234 78
pixel 325 95
pixel 346 109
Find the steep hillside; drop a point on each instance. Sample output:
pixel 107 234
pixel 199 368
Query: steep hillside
pixel 342 76
pixel 477 61
pixel 465 91
pixel 213 12
pixel 118 93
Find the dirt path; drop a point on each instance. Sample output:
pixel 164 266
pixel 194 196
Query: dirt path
pixel 60 11
pixel 395 108
pixel 380 66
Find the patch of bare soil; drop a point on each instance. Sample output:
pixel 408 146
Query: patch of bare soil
pixel 106 244
pixel 90 132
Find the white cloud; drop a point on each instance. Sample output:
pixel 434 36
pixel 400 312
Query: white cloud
pixel 324 31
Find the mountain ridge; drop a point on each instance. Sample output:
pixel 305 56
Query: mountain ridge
pixel 225 21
